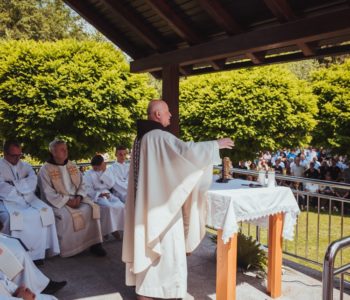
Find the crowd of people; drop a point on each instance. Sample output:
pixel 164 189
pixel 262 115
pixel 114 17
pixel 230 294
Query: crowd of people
pixel 58 211
pixel 310 163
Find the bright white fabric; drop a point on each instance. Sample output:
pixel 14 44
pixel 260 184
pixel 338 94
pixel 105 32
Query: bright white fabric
pixel 7 288
pixel 71 242
pixel 173 179
pixel 30 276
pixel 112 209
pixel 23 214
pixel 232 202
pixel 121 176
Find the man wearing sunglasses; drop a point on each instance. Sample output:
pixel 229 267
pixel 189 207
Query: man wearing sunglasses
pixel 23 214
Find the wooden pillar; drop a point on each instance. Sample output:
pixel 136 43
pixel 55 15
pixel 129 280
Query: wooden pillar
pixel 226 268
pixel 274 272
pixel 170 76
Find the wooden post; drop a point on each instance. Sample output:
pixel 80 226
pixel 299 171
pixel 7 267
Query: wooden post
pixel 170 75
pixel 226 268
pixel 274 273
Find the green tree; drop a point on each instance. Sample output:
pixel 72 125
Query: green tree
pixel 331 85
pixel 260 108
pixel 80 91
pixel 46 20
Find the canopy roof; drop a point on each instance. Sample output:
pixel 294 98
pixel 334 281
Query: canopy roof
pixel 203 36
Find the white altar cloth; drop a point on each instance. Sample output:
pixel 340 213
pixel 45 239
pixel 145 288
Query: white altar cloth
pixel 232 202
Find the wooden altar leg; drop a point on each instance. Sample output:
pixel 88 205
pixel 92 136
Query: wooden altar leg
pixel 274 272
pixel 226 268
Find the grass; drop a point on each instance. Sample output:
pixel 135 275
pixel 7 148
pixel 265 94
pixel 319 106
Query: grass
pixel 307 243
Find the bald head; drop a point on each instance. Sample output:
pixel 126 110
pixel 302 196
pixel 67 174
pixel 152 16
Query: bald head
pixel 158 111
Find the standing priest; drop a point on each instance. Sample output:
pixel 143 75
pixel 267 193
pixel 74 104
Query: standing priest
pixel 165 208
pixel 23 214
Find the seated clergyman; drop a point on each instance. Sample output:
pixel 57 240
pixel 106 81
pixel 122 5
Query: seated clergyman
pixel 23 214
pixel 99 182
pixel 78 217
pixel 17 265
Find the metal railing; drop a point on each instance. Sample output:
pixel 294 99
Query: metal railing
pixel 84 165
pixel 329 270
pixel 323 219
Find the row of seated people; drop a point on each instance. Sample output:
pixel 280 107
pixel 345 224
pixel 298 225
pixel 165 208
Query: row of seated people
pixel 74 212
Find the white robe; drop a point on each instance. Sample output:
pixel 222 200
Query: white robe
pixel 112 209
pixel 121 175
pixel 23 214
pixel 7 288
pixel 30 276
pixel 166 219
pixel 71 242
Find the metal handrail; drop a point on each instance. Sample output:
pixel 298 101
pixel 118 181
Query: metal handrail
pixel 332 184
pixel 329 271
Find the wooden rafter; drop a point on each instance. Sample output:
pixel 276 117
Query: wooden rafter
pixel 257 58
pixel 134 22
pixel 337 50
pixel 306 30
pixel 89 14
pixel 164 10
pixel 284 12
pixel 281 10
pixel 220 15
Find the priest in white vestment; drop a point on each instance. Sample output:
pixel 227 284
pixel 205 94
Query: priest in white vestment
pixel 23 214
pixel 166 205
pixel 19 267
pixel 120 170
pixel 77 216
pixel 98 182
pixel 11 291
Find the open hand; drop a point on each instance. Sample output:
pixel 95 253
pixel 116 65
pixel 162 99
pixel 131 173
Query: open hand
pixel 225 143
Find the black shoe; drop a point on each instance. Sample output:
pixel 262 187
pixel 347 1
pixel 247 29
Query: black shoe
pixel 38 262
pixel 98 250
pixel 53 287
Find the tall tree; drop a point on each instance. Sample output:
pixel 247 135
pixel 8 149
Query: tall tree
pixel 45 20
pixel 331 85
pixel 260 108
pixel 82 92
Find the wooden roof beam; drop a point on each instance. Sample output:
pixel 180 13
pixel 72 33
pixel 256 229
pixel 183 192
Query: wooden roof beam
pixel 136 24
pixel 220 15
pixel 165 11
pixel 186 70
pixel 218 64
pixel 257 57
pixel 284 12
pixel 307 48
pixel 89 14
pixel 306 30
pixel 338 50
pixel 281 10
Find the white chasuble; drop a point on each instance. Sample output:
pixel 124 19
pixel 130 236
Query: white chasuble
pixel 112 209
pixel 78 228
pixel 166 217
pixel 23 214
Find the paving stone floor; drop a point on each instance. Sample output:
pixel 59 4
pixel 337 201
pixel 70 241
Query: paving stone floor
pixel 103 278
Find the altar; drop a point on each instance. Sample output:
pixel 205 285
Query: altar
pixel 241 200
